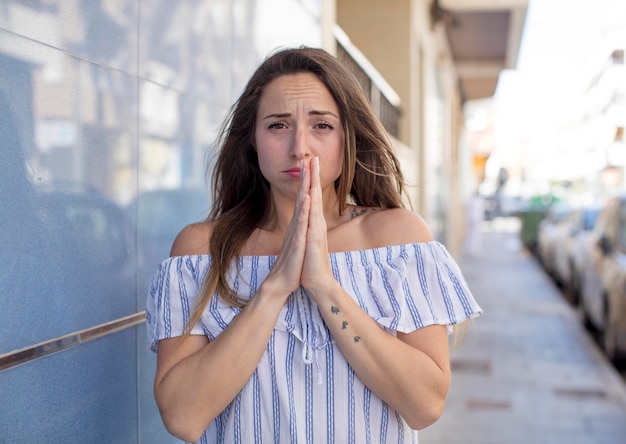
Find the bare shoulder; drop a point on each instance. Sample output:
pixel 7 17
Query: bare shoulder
pixel 395 226
pixel 193 239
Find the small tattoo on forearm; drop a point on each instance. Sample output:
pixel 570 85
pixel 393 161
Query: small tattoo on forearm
pixel 357 338
pixel 356 213
pixel 344 324
pixel 334 310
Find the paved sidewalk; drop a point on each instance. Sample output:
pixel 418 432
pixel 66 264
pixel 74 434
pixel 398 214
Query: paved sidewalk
pixel 526 371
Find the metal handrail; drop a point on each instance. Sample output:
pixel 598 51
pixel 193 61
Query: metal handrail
pixel 56 345
pixel 385 101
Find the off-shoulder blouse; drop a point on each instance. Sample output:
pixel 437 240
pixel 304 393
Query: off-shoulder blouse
pixel 303 389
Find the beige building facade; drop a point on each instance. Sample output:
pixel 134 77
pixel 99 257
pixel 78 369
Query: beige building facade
pixel 436 56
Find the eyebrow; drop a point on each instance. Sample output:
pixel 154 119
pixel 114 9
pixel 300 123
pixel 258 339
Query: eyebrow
pixel 311 113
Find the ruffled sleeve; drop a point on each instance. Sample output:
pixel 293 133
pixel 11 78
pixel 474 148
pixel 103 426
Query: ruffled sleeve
pixel 171 297
pixel 407 287
pixel 403 288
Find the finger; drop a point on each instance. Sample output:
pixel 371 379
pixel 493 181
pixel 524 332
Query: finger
pixel 315 174
pixel 301 190
pixel 316 188
pixel 299 220
pixel 317 222
pixel 287 270
pixel 301 196
pixel 316 267
pixel 305 175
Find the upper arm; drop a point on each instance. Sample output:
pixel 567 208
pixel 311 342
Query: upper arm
pixel 193 239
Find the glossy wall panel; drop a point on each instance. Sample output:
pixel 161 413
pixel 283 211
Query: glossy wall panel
pixel 187 46
pixel 81 395
pixel 102 32
pixel 108 113
pixel 68 246
pixel 171 188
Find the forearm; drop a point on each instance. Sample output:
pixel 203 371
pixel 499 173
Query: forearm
pixel 198 388
pixel 401 374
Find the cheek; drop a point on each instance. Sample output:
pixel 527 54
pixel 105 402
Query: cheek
pixel 263 162
pixel 267 158
pixel 334 166
pixel 260 146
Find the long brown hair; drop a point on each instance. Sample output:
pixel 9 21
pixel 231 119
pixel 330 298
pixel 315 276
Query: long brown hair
pixel 370 177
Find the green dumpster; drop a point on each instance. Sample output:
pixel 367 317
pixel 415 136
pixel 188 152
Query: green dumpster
pixel 530 217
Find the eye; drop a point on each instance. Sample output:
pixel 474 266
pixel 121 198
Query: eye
pixel 324 125
pixel 277 125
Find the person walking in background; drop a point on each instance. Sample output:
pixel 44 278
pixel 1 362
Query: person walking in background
pixel 310 306
pixel 474 216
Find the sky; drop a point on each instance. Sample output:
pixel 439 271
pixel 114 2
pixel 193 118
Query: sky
pixel 539 105
pixel 558 51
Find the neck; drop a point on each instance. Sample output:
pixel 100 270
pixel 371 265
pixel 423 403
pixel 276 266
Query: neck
pixel 282 208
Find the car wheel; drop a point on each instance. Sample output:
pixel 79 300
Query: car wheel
pixel 609 338
pixel 581 310
pixel 574 287
pixel 608 342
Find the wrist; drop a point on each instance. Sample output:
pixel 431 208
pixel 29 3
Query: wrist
pixel 324 289
pixel 270 292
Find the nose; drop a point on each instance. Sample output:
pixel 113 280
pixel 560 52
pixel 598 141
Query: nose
pixel 300 147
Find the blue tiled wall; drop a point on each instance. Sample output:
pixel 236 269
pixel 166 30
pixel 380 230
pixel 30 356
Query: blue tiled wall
pixel 107 110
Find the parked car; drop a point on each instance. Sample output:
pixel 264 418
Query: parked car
pixel 603 295
pixel 550 232
pixel 571 248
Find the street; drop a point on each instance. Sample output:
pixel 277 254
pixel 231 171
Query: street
pixel 526 371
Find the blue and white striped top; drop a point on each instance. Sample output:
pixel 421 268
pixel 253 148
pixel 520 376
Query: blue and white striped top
pixel 304 390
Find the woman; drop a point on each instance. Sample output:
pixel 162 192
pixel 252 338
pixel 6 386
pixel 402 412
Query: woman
pixel 310 306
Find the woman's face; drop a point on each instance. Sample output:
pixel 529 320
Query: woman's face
pixel 298 119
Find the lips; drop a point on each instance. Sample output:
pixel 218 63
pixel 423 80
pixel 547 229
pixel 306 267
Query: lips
pixel 293 172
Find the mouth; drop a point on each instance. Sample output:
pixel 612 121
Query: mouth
pixel 293 172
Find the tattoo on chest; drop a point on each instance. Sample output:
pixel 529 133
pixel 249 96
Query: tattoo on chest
pixel 355 212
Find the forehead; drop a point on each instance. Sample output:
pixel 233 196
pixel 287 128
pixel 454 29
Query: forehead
pixel 300 87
